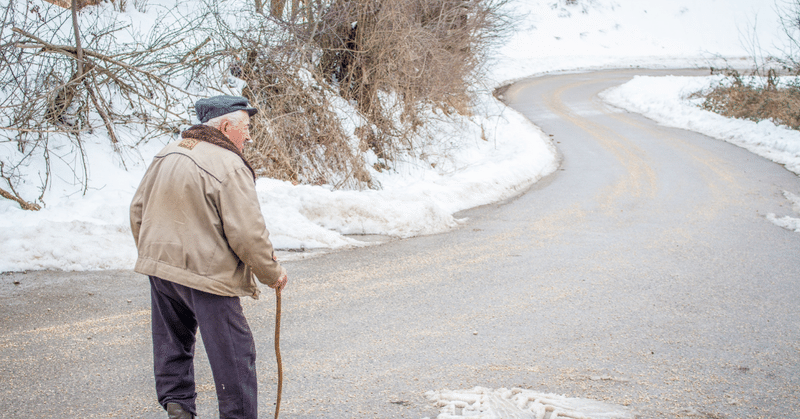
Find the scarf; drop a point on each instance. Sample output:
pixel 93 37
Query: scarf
pixel 216 137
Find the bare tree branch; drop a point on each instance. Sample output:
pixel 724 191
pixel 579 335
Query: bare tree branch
pixel 22 203
pixel 68 50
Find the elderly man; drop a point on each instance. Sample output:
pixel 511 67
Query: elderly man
pixel 201 238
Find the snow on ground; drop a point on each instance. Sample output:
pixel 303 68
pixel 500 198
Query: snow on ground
pixel 592 34
pixel 491 156
pixel 668 101
pixel 787 222
pixel 416 198
pixel 92 231
pixel 484 403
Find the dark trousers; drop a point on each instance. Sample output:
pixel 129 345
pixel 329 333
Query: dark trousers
pixel 177 311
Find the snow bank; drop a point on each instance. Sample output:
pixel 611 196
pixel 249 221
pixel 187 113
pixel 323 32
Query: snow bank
pixel 787 222
pixel 92 232
pixel 75 230
pixel 417 198
pixel 666 100
pixel 484 403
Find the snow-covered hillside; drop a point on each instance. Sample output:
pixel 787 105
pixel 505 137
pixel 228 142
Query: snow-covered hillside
pixel 491 156
pixel 556 36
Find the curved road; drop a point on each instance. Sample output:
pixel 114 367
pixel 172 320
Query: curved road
pixel 642 273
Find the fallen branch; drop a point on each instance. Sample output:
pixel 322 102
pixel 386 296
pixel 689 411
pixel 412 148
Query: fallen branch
pixel 29 206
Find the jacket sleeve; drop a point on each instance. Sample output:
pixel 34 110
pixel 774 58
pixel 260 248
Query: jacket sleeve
pixel 244 225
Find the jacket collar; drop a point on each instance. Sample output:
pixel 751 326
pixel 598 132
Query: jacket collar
pixel 214 136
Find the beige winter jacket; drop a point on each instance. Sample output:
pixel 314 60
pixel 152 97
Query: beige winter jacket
pixel 196 221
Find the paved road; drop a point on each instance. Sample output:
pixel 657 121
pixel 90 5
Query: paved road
pixel 642 273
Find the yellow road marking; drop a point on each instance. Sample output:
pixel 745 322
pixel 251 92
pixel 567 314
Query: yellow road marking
pixel 641 179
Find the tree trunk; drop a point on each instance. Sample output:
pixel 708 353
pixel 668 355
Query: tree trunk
pixel 276 8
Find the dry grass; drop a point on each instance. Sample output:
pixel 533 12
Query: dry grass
pixel 395 61
pixel 764 96
pixel 754 100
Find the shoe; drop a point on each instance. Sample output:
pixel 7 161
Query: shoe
pixel 175 411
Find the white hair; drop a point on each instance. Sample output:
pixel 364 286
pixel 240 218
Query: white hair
pixel 231 117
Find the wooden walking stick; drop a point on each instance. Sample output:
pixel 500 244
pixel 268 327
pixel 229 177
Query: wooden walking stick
pixel 278 348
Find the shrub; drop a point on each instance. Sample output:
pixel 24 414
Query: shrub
pixel 53 89
pixel 763 95
pixel 395 61
pixel 755 99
